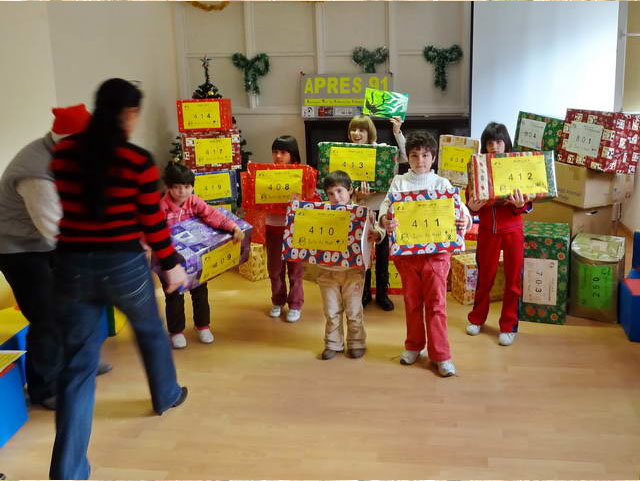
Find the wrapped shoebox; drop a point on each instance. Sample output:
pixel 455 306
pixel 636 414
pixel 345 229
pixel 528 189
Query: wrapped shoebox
pixel 209 252
pixel 604 141
pixel 218 186
pixel 269 187
pixel 537 132
pixel 464 279
pixel 255 269
pixel 13 335
pixel 426 222
pixel 207 151
pixel 231 206
pixel 331 235
pixel 545 277
pixel 258 219
pixel 493 177
pixel 376 164
pixel 395 282
pixel 471 238
pixel 586 188
pixel 630 308
pixel 203 115
pixel 597 267
pixel 598 220
pixel 454 153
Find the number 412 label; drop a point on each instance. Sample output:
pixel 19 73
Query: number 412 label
pixel 326 230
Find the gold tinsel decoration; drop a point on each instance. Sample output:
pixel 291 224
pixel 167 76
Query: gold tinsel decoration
pixel 209 6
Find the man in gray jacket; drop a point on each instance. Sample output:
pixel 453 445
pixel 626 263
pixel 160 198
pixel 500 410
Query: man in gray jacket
pixel 29 214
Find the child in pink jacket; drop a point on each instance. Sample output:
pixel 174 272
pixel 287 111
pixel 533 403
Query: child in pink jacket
pixel 180 204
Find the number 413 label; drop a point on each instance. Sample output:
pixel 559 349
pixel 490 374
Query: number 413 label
pixel 425 221
pixel 320 229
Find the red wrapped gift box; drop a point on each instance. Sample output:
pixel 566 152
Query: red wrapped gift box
pixel 277 190
pixel 204 115
pixel 604 141
pixel 207 151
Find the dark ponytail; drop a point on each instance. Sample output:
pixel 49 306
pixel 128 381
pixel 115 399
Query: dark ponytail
pixel 102 137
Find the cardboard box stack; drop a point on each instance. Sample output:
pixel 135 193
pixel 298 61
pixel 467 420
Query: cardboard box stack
pixel 597 267
pixel 211 148
pixel 546 273
pixel 464 279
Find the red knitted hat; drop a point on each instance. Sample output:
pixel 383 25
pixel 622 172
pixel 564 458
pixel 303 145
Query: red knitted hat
pixel 70 120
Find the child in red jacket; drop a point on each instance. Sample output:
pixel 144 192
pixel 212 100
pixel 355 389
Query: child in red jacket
pixel 501 229
pixel 179 204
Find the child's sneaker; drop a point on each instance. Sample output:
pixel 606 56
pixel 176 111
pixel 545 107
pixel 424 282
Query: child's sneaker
pixel 473 329
pixel 506 338
pixel 276 311
pixel 329 354
pixel 293 315
pixel 409 357
pixel 178 341
pixel 205 335
pixel 446 368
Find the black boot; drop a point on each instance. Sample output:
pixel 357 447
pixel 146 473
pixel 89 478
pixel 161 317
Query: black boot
pixel 382 277
pixel 366 292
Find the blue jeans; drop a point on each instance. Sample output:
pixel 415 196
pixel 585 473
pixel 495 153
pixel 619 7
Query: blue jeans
pixel 84 284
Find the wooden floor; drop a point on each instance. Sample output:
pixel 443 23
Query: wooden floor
pixel 562 403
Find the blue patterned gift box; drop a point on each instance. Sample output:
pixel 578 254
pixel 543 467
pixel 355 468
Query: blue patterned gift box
pixel 454 246
pixel 358 252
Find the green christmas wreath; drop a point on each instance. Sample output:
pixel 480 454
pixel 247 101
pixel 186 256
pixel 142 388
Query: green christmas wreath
pixel 369 59
pixel 253 69
pixel 440 57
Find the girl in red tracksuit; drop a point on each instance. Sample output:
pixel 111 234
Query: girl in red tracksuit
pixel 501 229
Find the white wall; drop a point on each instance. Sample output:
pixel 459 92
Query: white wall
pixel 541 57
pixel 94 41
pixel 319 38
pixel 27 82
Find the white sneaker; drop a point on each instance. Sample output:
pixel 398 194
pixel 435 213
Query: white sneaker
pixel 473 329
pixel 276 311
pixel 293 315
pixel 409 357
pixel 179 341
pixel 506 338
pixel 446 368
pixel 205 336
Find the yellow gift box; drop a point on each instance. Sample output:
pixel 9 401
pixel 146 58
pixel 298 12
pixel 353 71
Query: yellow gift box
pixel 255 269
pixel 464 279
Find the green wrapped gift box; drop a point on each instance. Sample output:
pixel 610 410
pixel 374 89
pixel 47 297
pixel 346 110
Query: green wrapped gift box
pixel 545 277
pixel 537 132
pixel 374 163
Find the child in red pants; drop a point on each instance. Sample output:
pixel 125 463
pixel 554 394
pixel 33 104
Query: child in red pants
pixel 284 150
pixel 424 277
pixel 501 229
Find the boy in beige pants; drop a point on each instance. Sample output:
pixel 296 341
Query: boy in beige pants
pixel 341 287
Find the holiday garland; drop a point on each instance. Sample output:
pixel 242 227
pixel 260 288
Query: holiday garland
pixel 218 6
pixel 440 57
pixel 368 60
pixel 254 68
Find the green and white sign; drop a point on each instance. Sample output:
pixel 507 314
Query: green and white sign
pixel 383 103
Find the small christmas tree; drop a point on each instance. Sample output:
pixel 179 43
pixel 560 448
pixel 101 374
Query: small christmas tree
pixel 206 90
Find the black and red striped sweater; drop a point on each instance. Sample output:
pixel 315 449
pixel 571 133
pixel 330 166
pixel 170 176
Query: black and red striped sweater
pixel 133 199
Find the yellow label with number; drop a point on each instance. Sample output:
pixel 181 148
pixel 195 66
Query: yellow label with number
pixel 326 230
pixel 201 115
pixel 219 260
pixel 456 158
pixel 527 173
pixel 359 163
pixel 277 186
pixel 213 151
pixel 213 186
pixel 425 221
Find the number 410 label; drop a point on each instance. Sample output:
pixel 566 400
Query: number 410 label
pixel 320 229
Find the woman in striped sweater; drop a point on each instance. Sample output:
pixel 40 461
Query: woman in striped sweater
pixel 110 200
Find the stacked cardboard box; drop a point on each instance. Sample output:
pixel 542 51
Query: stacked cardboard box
pixel 546 272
